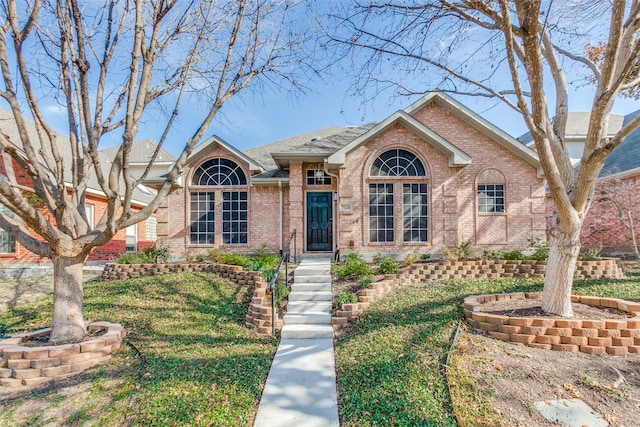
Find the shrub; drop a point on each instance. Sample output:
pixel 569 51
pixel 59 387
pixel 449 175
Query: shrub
pixel 280 292
pixel 540 250
pixel 425 256
pixel 591 254
pixel 460 252
pixel 346 298
pixel 354 265
pixel 233 258
pixel 410 259
pixel 364 282
pixel 149 255
pixel 512 255
pixel 388 266
pixel 268 274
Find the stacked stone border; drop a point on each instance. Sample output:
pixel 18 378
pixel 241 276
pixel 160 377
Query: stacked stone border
pixel 616 337
pixel 22 365
pixel 259 313
pixel 609 268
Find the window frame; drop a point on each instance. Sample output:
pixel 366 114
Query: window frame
pixel 217 188
pixel 490 201
pixel 6 238
pixel 422 217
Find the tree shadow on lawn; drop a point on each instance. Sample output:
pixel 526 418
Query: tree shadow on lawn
pixel 391 362
pixel 213 390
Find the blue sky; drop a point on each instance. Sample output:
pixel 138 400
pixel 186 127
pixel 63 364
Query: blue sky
pixel 263 118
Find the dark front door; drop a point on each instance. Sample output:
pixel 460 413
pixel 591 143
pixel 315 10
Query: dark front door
pixel 319 222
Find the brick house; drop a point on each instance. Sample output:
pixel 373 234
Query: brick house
pixel 131 239
pixel 432 175
pixel 615 208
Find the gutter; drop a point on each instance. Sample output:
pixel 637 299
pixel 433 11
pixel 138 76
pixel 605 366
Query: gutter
pixel 280 191
pixel 336 223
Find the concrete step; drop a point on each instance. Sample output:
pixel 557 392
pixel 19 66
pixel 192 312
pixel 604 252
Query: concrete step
pixel 310 296
pixel 305 287
pixel 297 307
pixel 311 318
pixel 313 270
pixel 312 278
pixel 306 332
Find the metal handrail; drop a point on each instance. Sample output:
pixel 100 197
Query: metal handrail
pixel 284 258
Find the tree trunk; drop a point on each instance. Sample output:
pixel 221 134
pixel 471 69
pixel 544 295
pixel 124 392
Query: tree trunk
pixel 68 319
pixel 558 279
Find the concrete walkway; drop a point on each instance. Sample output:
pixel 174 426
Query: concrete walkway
pixel 301 386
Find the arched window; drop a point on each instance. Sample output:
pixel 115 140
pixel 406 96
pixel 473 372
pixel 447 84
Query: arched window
pixel 216 172
pixel 208 203
pixel 382 203
pixel 397 163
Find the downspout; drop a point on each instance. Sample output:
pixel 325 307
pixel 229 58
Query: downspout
pixel 281 212
pixel 336 223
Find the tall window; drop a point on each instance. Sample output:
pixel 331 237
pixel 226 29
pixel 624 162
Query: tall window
pixel 234 217
pixel 7 242
pixel 132 238
pixel 381 212
pixel 203 217
pixel 392 166
pixel 414 208
pixel 152 228
pixel 89 210
pixel 491 198
pixel 212 197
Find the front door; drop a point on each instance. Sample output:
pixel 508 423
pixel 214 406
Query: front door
pixel 319 222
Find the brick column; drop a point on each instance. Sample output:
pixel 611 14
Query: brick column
pixel 296 203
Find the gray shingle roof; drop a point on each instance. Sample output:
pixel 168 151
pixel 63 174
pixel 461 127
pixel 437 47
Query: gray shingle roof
pixel 577 125
pixel 323 141
pixel 141 152
pixel 627 155
pixel 8 126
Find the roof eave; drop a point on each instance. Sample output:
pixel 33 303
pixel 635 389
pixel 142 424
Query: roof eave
pixel 202 149
pixel 283 159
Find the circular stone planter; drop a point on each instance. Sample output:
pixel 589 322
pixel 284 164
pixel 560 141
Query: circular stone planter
pixel 22 365
pixel 616 337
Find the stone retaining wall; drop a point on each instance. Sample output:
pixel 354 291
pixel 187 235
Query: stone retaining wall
pixel 616 337
pixel 22 365
pixel 610 268
pixel 259 313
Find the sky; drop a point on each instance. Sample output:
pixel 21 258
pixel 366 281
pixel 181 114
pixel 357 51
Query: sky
pixel 264 118
pixel 256 118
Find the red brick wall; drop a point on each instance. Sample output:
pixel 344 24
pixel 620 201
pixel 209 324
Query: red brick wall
pixel 602 227
pixel 453 216
pixel 452 191
pixel 108 251
pixel 264 212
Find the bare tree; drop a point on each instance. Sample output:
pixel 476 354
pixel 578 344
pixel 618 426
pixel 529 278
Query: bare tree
pixel 111 66
pixel 521 53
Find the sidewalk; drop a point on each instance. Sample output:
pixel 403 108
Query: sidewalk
pixel 301 386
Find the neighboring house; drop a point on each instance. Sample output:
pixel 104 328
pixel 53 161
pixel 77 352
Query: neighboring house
pixel 130 239
pixel 615 207
pixel 430 176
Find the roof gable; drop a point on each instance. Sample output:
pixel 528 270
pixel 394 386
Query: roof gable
pixel 480 124
pixel 456 156
pixel 203 148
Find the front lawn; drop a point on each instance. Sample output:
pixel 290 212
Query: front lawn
pixel 391 361
pixel 189 361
